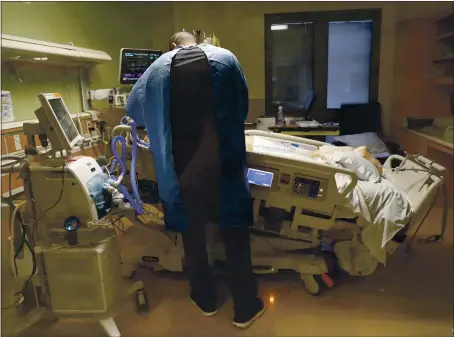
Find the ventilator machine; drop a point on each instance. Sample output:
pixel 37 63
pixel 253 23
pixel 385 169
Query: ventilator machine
pixel 62 257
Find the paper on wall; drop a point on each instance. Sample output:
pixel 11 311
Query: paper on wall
pixel 7 107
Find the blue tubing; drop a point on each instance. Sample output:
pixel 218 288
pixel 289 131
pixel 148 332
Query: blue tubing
pixel 128 121
pixel 133 174
pixel 135 199
pixel 121 161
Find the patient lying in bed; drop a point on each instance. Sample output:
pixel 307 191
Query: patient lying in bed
pixel 361 150
pixel 375 199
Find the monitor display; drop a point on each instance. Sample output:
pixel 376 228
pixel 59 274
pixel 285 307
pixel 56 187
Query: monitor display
pixel 259 177
pixel 134 62
pixel 64 118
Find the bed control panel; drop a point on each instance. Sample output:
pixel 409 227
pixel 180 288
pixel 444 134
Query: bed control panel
pixel 309 187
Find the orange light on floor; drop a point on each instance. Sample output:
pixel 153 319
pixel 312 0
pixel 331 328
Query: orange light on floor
pixel 271 299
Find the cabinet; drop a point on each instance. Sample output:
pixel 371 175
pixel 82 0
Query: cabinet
pixel 444 59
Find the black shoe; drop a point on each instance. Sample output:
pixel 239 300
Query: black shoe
pixel 205 309
pixel 245 318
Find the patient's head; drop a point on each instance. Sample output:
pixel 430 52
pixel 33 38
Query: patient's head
pixel 327 150
pixel 182 39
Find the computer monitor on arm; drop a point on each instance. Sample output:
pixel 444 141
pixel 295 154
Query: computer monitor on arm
pixel 56 122
pixel 134 62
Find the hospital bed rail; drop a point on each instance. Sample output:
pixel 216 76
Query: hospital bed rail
pixel 317 213
pixel 418 177
pixel 422 180
pixel 318 168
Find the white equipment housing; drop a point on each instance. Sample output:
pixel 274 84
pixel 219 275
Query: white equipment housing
pixel 74 181
pixel 84 280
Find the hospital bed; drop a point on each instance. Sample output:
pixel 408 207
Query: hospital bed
pixel 310 215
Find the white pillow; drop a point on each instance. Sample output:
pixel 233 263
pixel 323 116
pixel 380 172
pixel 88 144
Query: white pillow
pixel 369 139
pixel 363 168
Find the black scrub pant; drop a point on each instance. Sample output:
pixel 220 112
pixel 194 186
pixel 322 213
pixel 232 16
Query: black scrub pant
pixel 243 286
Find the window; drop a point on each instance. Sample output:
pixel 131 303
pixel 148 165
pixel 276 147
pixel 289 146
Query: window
pixel 292 80
pixel 321 60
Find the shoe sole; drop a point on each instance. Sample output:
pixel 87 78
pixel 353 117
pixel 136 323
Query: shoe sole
pixel 206 314
pixel 251 321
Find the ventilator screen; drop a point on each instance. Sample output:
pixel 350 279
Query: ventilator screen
pixel 64 118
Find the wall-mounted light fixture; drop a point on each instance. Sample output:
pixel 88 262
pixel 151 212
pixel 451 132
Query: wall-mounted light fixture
pixel 279 27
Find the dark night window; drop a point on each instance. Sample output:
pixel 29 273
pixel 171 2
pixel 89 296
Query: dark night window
pixel 321 60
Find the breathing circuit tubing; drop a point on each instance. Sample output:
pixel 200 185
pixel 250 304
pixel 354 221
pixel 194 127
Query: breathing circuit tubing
pixel 134 200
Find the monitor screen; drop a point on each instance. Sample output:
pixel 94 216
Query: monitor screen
pixel 259 177
pixel 134 62
pixel 64 118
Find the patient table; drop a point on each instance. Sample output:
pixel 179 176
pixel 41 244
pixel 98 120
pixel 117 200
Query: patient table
pixel 298 209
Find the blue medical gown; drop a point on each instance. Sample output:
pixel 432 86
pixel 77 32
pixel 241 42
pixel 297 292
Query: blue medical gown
pixel 150 105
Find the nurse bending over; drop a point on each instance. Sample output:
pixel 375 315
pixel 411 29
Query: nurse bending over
pixel 193 102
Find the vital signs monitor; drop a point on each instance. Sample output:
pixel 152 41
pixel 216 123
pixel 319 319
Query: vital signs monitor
pixel 134 62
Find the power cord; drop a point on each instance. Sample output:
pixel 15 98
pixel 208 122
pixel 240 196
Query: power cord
pixel 27 282
pixel 56 202
pixel 112 223
pixel 25 241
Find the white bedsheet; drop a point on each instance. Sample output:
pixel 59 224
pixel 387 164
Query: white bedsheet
pixel 381 205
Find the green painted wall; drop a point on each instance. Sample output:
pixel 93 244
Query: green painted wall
pixel 106 26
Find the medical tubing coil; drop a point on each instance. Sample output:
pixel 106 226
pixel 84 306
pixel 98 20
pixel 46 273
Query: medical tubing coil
pixel 135 137
pixel 135 199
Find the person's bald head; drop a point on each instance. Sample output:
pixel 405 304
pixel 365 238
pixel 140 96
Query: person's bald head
pixel 182 39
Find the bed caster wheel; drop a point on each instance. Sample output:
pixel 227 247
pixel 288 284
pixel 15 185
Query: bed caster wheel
pixel 142 302
pixel 315 284
pixel 130 275
pixel 128 271
pixel 311 284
